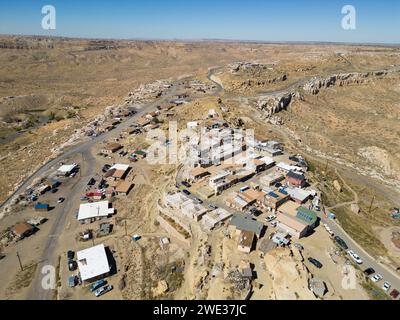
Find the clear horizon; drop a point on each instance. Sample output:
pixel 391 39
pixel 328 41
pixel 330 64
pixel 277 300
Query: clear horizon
pixel 253 20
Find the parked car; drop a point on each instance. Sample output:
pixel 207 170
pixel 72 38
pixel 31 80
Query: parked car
pixel 197 200
pixel 54 190
pixel 60 200
pixel 105 168
pixel 355 256
pixel 386 286
pixel 315 262
pixel 376 278
pixel 299 246
pixel 187 192
pixel 270 218
pixel 96 285
pixel 212 206
pixel 84 198
pixel 186 184
pixel 255 211
pixel 274 224
pixel 395 294
pixel 72 281
pixel 369 271
pixel 103 290
pixel 72 265
pixel 70 255
pixel 340 242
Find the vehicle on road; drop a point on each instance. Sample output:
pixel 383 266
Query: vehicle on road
pixel 340 242
pixel 212 206
pixel 103 290
pixel 70 254
pixel 315 262
pixel 54 190
pixel 84 198
pixel 72 281
pixel 197 200
pixel 187 192
pixel 254 211
pixel 270 218
pixel 96 285
pixel 60 200
pixel 298 246
pixel 386 286
pixel 376 278
pixel 243 189
pixel 355 256
pixel 274 224
pixel 185 184
pixel 369 271
pixel 328 229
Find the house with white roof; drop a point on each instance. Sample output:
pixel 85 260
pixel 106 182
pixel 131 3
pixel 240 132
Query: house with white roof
pixel 90 212
pixel 93 263
pixel 66 169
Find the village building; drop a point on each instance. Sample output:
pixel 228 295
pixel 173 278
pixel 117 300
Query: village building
pixel 66 169
pixel 197 173
pixel 239 202
pixel 271 179
pixel 245 222
pixel 213 218
pixel 117 172
pixel 298 195
pixel 296 220
pixel 111 148
pixel 295 179
pixel 246 241
pixel 285 168
pixel 23 230
pixel 123 188
pixel 93 263
pixel 274 199
pixel 90 212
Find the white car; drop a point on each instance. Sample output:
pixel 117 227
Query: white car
pixel 386 286
pixel 270 218
pixel 376 278
pixel 274 224
pixel 355 256
pixel 328 229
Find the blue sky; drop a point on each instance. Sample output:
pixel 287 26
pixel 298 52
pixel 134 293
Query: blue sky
pixel 267 20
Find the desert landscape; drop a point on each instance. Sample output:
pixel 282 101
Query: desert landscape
pixel 326 115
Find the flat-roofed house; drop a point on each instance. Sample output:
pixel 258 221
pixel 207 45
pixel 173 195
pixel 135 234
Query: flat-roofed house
pixel 117 171
pixel 293 226
pixel 90 212
pixel 93 263
pixel 295 179
pixel 274 199
pixel 246 241
pixel 111 147
pixel 197 173
pixel 22 230
pixel 245 222
pixel 123 188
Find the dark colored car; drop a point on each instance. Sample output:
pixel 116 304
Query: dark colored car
pixel 72 265
pixel 105 168
pixel 369 271
pixel 70 254
pixel 187 192
pixel 186 184
pixel 340 242
pixel 54 190
pixel 315 262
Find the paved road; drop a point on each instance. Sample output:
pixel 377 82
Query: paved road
pixel 50 255
pixel 368 261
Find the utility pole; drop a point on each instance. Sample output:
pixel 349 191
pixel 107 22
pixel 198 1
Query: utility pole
pixel 20 263
pixel 372 202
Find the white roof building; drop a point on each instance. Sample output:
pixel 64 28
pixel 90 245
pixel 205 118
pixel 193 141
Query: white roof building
pixel 119 166
pixel 94 210
pixel 299 194
pixel 287 167
pixel 92 262
pixel 66 168
pixel 211 219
